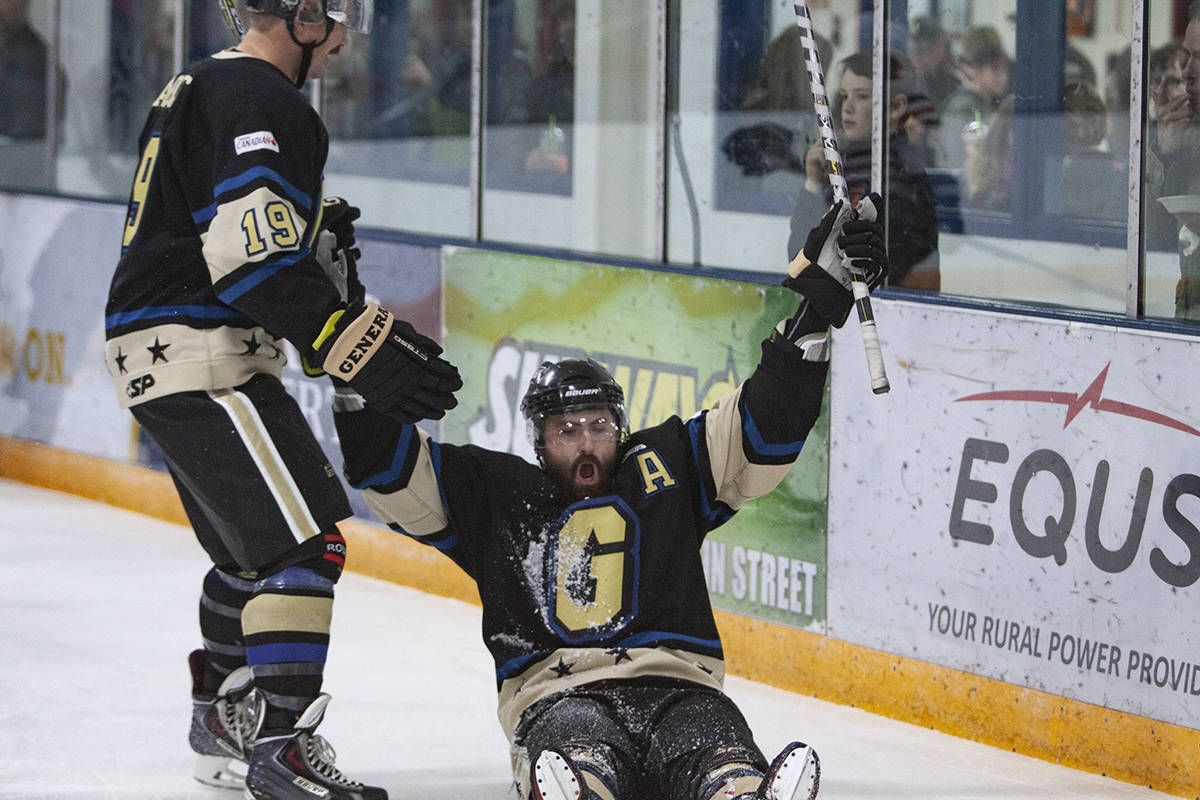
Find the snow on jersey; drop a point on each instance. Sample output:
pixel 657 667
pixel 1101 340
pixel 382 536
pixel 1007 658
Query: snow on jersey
pixel 608 587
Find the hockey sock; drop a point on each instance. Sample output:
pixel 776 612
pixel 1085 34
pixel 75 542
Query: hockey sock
pixel 735 781
pixel 597 789
pixel 286 627
pixel 221 601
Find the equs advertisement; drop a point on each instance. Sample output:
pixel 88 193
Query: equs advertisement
pixel 1040 477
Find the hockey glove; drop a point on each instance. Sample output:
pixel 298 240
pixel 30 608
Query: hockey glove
pixel 845 246
pixel 395 369
pixel 336 250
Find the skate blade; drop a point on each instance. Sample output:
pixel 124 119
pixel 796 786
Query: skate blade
pixel 221 772
pixel 798 777
pixel 554 778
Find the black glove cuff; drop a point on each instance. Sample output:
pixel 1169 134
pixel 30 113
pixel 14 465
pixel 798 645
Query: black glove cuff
pixel 828 298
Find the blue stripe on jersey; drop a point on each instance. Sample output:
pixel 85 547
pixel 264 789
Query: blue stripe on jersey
pixel 442 543
pixel 154 312
pixel 238 181
pixel 435 455
pixel 392 473
pixel 654 637
pixel 756 440
pixel 286 652
pixel 515 665
pixel 518 663
pixel 721 513
pixel 264 271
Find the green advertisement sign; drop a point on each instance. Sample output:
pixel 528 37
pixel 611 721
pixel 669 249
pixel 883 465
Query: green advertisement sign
pixel 676 343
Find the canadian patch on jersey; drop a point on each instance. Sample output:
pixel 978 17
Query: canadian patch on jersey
pixel 259 140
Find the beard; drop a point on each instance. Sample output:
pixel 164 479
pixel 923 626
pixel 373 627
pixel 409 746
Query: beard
pixel 586 476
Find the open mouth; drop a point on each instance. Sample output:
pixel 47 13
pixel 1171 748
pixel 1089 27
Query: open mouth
pixel 586 472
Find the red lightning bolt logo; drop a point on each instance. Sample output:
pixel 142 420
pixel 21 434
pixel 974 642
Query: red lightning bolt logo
pixel 1091 396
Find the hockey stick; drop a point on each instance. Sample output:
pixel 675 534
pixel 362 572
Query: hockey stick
pixel 837 179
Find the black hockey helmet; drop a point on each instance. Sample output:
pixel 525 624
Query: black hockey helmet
pixel 354 14
pixel 573 384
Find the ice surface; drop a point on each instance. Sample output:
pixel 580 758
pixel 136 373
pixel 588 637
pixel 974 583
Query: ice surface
pixel 98 612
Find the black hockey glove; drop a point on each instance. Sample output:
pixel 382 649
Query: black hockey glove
pixel 395 369
pixel 336 250
pixel 846 245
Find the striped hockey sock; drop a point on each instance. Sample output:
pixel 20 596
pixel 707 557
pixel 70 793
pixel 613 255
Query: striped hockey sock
pixel 221 602
pixel 286 628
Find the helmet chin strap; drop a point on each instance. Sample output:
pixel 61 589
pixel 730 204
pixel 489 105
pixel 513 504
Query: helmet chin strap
pixel 306 50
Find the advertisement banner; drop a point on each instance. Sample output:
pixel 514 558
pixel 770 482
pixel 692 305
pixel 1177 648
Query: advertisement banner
pixel 56 261
pixel 676 343
pixel 1024 505
pixel 57 258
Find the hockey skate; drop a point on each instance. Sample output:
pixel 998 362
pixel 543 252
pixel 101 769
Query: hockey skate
pixel 795 774
pixel 298 765
pixel 222 726
pixel 556 778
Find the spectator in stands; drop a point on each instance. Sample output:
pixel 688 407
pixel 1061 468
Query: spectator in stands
pixel 989 164
pixel 782 82
pixel 23 64
pixel 935 80
pixel 911 218
pixel 1116 99
pixel 1077 67
pixel 929 49
pixel 1170 118
pixel 1173 159
pixel 1093 182
pixel 448 57
pixel 985 68
pixel 552 94
pixel 777 141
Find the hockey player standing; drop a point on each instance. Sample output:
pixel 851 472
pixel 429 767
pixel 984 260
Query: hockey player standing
pixel 595 608
pixel 229 246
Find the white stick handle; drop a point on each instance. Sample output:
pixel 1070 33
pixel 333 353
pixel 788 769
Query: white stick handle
pixel 837 179
pixel 870 335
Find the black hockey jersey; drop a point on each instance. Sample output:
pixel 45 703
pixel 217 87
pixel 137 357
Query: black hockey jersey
pixel 215 260
pixel 608 587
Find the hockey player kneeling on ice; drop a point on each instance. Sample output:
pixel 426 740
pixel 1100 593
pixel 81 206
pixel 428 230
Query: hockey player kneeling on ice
pixel 595 608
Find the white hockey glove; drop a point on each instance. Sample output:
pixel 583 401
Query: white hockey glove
pixel 336 251
pixel 395 369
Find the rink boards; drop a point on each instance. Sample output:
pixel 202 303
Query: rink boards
pixel 1004 547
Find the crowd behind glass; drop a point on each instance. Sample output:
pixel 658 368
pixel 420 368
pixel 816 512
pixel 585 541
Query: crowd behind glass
pixel 683 133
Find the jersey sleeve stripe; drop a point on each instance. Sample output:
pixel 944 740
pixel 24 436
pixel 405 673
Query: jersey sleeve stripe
pixel 435 457
pixel 259 275
pixel 249 176
pixel 761 447
pixel 154 312
pixel 714 511
pixel 443 542
pixel 399 459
